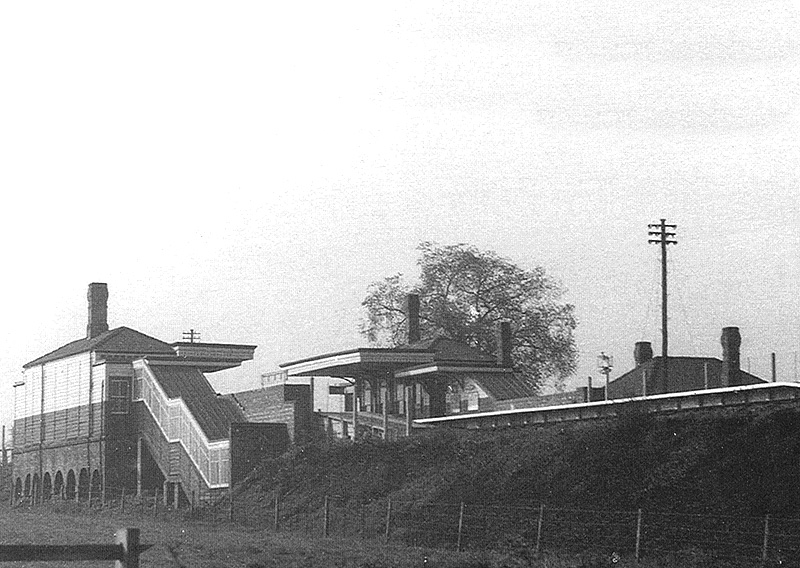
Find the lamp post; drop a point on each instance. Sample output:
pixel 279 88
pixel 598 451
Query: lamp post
pixel 605 363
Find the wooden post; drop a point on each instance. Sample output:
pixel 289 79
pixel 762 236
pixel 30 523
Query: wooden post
pixel 539 529
pixel 326 517
pixel 765 545
pixel 176 494
pixel 644 382
pixel 638 533
pixel 129 539
pixel 386 412
pixel 139 467
pixel 103 496
pixel 89 503
pixel 277 519
pixel 230 502
pixel 460 526
pixel 165 493
pixel 355 409
pixel 409 409
pixel 705 376
pixel 388 530
pixel 774 369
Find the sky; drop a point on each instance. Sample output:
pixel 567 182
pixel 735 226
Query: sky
pixel 247 169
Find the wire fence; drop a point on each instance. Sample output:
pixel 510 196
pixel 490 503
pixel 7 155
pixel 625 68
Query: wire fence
pixel 521 530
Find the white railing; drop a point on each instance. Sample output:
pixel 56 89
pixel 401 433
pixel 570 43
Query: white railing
pixel 173 417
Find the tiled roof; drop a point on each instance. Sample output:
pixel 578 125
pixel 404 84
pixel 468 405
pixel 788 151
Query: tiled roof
pixel 118 340
pixel 213 413
pixel 449 350
pixel 501 386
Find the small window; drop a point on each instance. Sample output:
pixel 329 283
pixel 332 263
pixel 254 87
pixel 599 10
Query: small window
pixel 119 396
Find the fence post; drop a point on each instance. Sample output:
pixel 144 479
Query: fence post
pixel 129 539
pixel 388 530
pixel 539 529
pixel 764 547
pixel 326 517
pixel 460 526
pixel 638 533
pixel 276 520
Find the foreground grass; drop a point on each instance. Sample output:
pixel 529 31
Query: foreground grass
pixel 180 542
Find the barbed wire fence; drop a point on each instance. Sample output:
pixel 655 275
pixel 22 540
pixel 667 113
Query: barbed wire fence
pixel 522 530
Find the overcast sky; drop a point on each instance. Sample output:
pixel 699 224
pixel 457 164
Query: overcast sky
pixel 247 169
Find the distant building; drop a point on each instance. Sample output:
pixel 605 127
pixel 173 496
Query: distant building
pixel 684 373
pixel 120 409
pixel 381 391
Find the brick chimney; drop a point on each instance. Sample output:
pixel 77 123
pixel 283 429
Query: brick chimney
pixel 504 344
pixel 412 316
pixel 642 352
pixel 731 342
pixel 98 309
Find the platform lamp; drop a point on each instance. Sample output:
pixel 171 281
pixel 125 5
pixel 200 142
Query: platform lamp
pixel 605 363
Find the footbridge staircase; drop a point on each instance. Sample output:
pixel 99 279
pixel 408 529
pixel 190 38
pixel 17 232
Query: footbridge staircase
pixel 184 425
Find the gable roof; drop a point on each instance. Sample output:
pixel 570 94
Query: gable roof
pixel 449 350
pixel 501 386
pixel 213 413
pixel 118 340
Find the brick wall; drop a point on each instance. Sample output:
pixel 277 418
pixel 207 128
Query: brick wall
pixel 280 404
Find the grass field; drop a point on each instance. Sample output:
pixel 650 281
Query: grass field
pixel 178 542
pixel 187 543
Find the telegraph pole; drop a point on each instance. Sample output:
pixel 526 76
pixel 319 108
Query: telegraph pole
pixel 665 236
pixel 191 335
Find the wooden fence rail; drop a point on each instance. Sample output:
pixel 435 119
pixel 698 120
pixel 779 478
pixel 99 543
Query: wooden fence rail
pixel 125 552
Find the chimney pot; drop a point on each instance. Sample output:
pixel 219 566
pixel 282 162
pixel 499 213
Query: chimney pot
pixel 98 309
pixel 642 352
pixel 504 344
pixel 731 342
pixel 412 316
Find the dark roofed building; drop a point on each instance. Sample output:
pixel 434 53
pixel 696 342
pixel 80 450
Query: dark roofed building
pixel 683 373
pixel 120 409
pixel 389 387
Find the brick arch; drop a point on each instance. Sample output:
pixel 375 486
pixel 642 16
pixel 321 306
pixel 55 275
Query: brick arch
pixel 47 486
pixel 83 484
pixel 71 486
pixel 58 484
pixel 96 486
pixel 36 487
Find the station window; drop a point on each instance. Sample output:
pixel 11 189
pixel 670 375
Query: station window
pixel 119 396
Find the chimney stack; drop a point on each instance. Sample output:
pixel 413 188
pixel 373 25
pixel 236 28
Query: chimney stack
pixel 412 316
pixel 642 352
pixel 731 341
pixel 504 344
pixel 98 309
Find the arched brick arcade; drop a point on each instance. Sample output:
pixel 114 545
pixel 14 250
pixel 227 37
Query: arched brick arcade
pixel 47 486
pixel 83 484
pixel 58 487
pixel 71 485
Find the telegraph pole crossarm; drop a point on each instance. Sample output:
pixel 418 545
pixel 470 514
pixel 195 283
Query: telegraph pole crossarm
pixel 665 237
